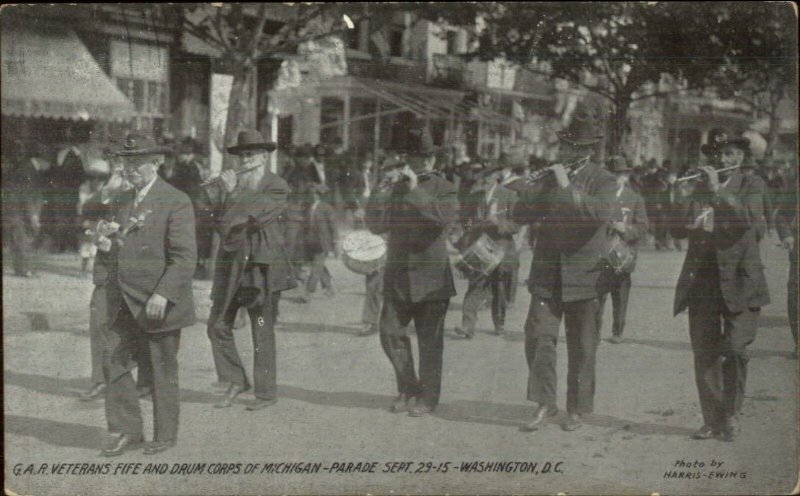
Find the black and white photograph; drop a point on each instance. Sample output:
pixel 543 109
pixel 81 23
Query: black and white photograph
pixel 367 248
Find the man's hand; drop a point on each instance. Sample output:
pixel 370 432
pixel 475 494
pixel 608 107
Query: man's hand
pixel 412 177
pixel 115 182
pixel 619 227
pixel 36 224
pixel 562 178
pixel 156 307
pixel 788 242
pixel 229 180
pixel 713 177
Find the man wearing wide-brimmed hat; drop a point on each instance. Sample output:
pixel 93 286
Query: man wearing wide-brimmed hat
pixel 251 270
pixel 722 283
pixel 147 257
pixel 414 206
pixel 629 225
pixel 573 211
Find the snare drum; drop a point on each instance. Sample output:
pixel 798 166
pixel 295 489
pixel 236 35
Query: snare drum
pixel 481 257
pixel 363 252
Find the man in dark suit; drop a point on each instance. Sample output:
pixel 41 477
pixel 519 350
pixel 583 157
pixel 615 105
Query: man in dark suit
pixel 722 284
pixel 150 256
pixel 321 238
pixel 573 214
pixel 414 206
pixel 493 218
pixel 629 224
pixel 251 270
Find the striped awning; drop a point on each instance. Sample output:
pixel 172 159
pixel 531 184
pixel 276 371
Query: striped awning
pixel 48 72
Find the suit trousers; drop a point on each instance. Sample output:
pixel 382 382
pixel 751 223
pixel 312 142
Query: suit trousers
pixel 719 342
pixel 319 273
pixel 619 286
pixel 791 295
pixel 226 356
pixel 428 319
pixel 373 298
pixel 126 342
pixel 541 337
pixel 498 284
pixel 99 342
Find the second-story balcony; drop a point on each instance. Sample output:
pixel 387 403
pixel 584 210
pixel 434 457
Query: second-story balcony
pixel 393 68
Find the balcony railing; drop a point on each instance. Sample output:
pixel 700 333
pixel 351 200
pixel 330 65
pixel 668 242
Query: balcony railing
pixel 405 71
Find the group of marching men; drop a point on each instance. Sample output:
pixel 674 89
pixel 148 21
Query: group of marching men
pixel 583 212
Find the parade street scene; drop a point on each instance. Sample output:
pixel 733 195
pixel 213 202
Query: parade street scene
pixel 407 248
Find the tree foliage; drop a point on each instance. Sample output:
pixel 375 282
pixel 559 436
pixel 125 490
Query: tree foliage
pixel 609 48
pixel 757 42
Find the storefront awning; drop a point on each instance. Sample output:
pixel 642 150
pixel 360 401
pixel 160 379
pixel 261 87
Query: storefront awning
pixel 430 103
pixel 48 72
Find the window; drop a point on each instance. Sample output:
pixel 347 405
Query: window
pixel 452 47
pixel 396 41
pixel 141 73
pixel 331 120
pixel 354 36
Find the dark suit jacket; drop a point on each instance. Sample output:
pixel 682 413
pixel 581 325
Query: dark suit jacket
pixel 416 221
pixel 252 228
pixel 730 252
pixel 572 239
pixel 156 257
pixel 321 234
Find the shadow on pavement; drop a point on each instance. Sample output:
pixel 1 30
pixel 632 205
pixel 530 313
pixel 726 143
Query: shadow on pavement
pixel 55 433
pixel 515 415
pixel 315 328
pixel 686 346
pixel 342 399
pixel 481 412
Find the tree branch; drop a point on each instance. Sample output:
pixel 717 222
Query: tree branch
pixel 258 33
pixel 205 37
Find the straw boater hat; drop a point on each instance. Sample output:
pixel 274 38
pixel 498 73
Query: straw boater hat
pixel 251 139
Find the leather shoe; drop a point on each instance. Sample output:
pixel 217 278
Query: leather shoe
pixel 367 330
pixel 420 409
pixel 159 446
pixel 95 392
pixel 400 404
pixel 573 423
pixel 616 339
pixel 463 333
pixel 234 390
pixel 539 417
pixel 499 330
pixel 124 443
pixel 730 430
pixel 260 404
pixel 705 432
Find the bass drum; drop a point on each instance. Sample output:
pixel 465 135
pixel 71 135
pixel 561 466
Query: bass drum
pixel 363 252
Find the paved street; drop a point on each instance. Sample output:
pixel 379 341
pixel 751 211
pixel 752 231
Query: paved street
pixel 334 389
